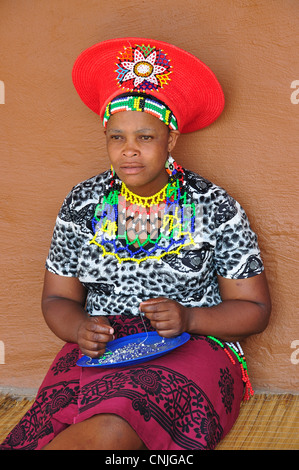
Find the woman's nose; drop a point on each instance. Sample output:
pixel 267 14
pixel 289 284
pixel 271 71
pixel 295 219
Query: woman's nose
pixel 129 153
pixel 130 150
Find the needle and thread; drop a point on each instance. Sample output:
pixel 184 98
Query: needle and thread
pixel 141 344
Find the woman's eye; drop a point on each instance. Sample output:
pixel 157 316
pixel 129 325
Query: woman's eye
pixel 146 137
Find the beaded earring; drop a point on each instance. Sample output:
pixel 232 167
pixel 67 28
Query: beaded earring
pixel 169 165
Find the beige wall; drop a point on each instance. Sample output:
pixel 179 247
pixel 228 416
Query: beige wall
pixel 50 141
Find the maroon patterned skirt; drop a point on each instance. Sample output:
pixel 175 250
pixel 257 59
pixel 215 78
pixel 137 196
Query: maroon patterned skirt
pixel 187 399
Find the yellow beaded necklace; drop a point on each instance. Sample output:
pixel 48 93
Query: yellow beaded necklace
pixel 143 201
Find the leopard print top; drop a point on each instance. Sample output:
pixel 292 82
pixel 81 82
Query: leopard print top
pixel 224 245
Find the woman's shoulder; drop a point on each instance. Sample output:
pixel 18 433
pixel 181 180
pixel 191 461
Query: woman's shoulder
pixel 93 183
pixel 215 201
pixel 202 186
pixel 89 190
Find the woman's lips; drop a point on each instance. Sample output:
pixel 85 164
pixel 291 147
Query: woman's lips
pixel 131 169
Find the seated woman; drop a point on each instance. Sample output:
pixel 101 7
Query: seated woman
pixel 147 246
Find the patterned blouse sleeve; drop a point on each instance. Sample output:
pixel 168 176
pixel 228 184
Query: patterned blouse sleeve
pixel 63 254
pixel 237 254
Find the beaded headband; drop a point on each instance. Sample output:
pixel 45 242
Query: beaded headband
pixel 143 103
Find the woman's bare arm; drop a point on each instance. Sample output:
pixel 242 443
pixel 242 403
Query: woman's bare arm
pixel 63 302
pixel 244 311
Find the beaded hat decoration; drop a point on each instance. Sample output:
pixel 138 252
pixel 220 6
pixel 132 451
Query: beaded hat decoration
pixel 146 67
pixel 164 72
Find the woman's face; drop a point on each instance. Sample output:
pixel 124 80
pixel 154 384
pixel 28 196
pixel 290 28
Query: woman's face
pixel 138 145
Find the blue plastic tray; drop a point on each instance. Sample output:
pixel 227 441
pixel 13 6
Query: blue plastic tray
pixel 147 339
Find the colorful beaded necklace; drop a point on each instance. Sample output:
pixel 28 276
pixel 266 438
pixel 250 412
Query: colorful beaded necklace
pixel 134 228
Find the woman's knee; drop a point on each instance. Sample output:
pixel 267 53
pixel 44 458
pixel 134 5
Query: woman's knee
pixel 100 432
pixel 116 433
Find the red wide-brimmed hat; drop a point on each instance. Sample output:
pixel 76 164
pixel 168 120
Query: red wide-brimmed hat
pixel 149 67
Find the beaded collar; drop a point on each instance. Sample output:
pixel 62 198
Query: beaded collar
pixel 134 228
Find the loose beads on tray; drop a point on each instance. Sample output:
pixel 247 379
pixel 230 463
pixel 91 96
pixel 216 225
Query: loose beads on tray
pixel 129 352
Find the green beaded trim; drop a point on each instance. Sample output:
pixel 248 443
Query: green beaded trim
pixel 236 349
pixel 143 104
pixel 239 356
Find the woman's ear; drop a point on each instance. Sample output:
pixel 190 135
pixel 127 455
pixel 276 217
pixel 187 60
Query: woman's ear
pixel 172 139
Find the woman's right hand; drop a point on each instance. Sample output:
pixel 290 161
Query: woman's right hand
pixel 93 335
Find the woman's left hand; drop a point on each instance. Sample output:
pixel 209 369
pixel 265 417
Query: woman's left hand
pixel 167 316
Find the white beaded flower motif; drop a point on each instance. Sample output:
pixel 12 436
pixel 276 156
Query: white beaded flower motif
pixel 147 67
